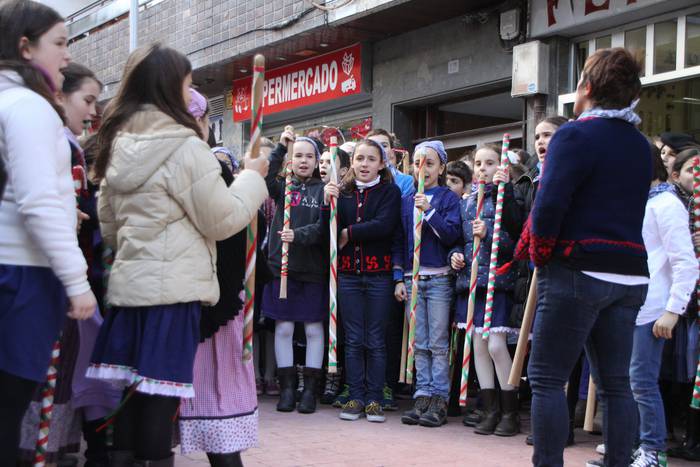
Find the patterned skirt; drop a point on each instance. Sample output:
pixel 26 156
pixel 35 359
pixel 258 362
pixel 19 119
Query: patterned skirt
pixel 223 416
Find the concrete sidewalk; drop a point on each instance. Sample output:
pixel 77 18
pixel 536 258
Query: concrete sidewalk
pixel 322 439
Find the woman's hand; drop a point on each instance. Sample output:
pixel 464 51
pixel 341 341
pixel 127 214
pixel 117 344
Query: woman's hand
pixel 400 293
pixel 81 217
pixel 82 306
pixel 331 189
pixel 479 228
pixel 287 235
pixel 422 202
pixel 663 327
pixel 287 136
pixel 457 261
pixel 260 164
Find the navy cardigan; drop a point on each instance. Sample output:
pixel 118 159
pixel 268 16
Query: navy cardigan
pixel 590 204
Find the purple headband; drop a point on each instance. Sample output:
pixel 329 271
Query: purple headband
pixel 436 146
pixel 313 143
pixel 198 104
pixel 234 162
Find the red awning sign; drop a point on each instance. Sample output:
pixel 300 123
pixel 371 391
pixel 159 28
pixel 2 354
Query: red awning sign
pixel 318 79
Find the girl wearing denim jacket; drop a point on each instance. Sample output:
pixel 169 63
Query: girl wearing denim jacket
pixel 440 232
pixel 492 352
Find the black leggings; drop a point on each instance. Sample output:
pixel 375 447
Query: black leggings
pixel 145 426
pixel 15 395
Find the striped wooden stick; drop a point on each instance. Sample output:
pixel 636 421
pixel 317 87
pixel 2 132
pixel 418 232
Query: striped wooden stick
pixel 404 347
pixel 521 350
pixel 287 221
pixel 417 234
pixel 695 401
pixel 496 242
pixel 47 395
pixel 470 307
pixel 333 276
pixel 252 230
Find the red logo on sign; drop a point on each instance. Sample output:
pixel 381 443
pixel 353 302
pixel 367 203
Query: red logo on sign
pixel 311 81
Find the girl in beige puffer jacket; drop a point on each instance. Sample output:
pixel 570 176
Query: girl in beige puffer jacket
pixel 162 207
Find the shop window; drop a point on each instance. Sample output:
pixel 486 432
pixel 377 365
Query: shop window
pixel 665 46
pixel 671 106
pixel 604 42
pixel 692 41
pixel 635 42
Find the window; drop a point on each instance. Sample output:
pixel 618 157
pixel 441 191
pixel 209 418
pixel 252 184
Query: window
pixel 581 56
pixel 692 41
pixel 635 42
pixel 665 46
pixel 604 42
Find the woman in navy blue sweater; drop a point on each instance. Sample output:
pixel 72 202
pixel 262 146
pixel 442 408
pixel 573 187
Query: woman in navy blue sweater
pixel 440 232
pixel 368 221
pixel 592 265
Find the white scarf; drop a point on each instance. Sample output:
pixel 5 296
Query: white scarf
pixel 363 186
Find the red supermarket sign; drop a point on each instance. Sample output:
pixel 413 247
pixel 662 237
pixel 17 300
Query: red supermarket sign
pixel 319 79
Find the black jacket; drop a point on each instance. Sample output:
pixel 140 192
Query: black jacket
pixel 307 254
pixel 373 220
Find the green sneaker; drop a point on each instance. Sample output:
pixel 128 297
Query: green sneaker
pixel 343 398
pixel 388 402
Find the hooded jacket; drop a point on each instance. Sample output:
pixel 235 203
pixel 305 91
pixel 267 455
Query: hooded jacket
pixel 162 207
pixel 38 214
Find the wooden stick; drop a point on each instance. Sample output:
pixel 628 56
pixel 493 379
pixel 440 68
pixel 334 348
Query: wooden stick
pixel 252 230
pixel 516 370
pixel 287 222
pixel 417 234
pixel 695 400
pixel 590 406
pixel 47 398
pixel 404 347
pixel 466 359
pixel 333 276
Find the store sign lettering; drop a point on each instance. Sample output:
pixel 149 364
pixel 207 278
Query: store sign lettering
pixel 555 15
pixel 319 79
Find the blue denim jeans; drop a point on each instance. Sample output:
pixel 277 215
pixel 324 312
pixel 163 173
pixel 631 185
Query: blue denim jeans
pixel 644 379
pixel 576 311
pixel 365 301
pixel 433 335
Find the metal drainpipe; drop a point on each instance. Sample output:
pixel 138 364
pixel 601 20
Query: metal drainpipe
pixel 133 24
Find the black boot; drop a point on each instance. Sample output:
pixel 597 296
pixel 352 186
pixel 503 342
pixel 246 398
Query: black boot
pixel 690 448
pixel 232 459
pixel 312 377
pixel 96 454
pixel 510 419
pixel 473 417
pixel 489 397
pixel 288 379
pixel 121 458
pixel 167 462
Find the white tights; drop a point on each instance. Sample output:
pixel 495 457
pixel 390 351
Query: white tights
pixel 284 351
pixel 490 353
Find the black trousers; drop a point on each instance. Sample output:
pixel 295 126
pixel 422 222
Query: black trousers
pixel 15 395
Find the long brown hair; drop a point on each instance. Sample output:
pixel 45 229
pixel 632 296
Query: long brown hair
pixel 152 76
pixel 348 182
pixel 22 18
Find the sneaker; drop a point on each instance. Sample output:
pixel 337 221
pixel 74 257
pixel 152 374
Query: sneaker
pixel 272 388
pixel 600 449
pixel 596 463
pixel 650 458
pixel 412 417
pixel 331 389
pixel 436 415
pixel 388 402
pixel 259 388
pixel 374 413
pixel 343 398
pixel 352 410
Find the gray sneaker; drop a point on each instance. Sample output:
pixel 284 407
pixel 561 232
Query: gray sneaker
pixel 374 413
pixel 352 410
pixel 412 416
pixel 650 458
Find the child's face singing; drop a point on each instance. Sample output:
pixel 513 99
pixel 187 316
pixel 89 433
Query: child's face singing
pixel 486 163
pixel 685 178
pixel 455 184
pixel 543 133
pixel 303 159
pixel 432 169
pixel 669 157
pixel 367 162
pixel 324 167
